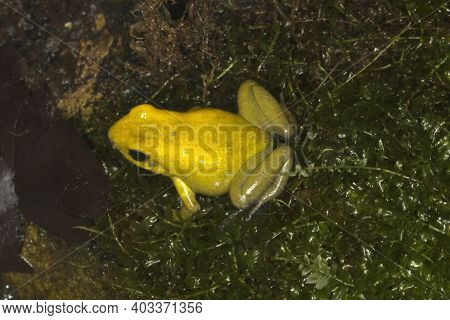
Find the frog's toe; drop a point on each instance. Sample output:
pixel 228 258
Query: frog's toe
pixel 262 110
pixel 184 214
pixel 257 184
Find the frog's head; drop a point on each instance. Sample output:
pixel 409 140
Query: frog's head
pixel 136 137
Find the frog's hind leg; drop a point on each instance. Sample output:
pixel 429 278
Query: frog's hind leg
pixel 261 179
pixel 261 109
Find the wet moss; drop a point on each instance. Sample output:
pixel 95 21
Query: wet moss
pixel 61 271
pixel 365 215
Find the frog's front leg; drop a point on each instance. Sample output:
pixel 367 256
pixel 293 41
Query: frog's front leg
pixel 187 195
pixel 262 178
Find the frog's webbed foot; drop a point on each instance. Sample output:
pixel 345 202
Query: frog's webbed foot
pixel 187 195
pixel 262 110
pixel 261 179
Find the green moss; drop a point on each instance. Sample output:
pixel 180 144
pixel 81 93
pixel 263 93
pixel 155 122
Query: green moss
pixel 61 272
pixel 365 216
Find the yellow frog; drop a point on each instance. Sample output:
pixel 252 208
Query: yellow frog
pixel 211 151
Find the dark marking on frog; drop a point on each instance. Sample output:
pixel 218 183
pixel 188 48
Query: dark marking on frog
pixel 138 156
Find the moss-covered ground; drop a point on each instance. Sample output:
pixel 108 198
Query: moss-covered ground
pixel 366 213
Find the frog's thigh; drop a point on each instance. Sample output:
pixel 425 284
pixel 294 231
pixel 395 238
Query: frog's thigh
pixel 257 184
pixel 187 195
pixel 262 110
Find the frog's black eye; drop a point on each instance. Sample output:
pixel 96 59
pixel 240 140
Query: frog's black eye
pixel 138 156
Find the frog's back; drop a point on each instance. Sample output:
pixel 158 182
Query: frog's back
pixel 219 142
pixel 213 116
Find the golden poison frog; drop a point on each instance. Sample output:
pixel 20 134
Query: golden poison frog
pixel 211 151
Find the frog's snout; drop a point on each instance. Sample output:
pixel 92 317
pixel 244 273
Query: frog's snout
pixel 118 134
pixel 113 133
